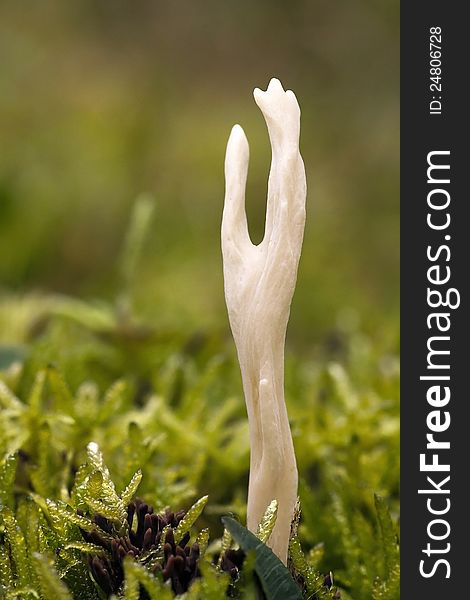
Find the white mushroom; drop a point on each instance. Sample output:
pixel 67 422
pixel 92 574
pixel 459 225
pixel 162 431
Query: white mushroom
pixel 259 285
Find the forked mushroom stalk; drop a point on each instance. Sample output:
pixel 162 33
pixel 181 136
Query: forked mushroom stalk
pixel 259 285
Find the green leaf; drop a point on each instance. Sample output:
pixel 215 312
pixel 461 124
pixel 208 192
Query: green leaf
pixel 387 533
pixel 388 589
pixel 35 395
pixel 87 548
pixel 8 400
pixel 190 518
pixel 137 575
pixel 266 526
pixel 275 578
pixel 80 584
pixel 94 316
pixel 75 519
pixel 27 515
pixel 310 577
pixel 113 399
pixel 95 458
pixel 139 225
pixel 316 554
pixel 131 488
pixel 203 540
pixel 6 575
pixel 43 476
pixel 111 505
pixel 60 389
pixel 7 478
pixel 50 583
pixel 225 544
pixel 16 541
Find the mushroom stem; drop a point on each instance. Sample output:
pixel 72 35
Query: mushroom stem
pixel 259 285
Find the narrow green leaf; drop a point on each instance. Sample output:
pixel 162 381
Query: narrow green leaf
pixel 139 224
pixel 6 575
pixel 27 515
pixel 35 395
pixel 113 399
pixel 80 584
pixel 266 526
pixel 131 584
pixel 387 533
pixel 80 521
pixel 8 400
pixel 131 488
pixel 190 518
pixel 224 545
pixel 95 458
pixel 16 541
pixel 316 554
pixel 391 552
pixel 312 579
pixel 111 505
pixel 51 585
pixel 203 540
pixel 86 398
pixel 87 548
pixel 7 478
pixel 43 476
pixel 275 578
pixel 60 389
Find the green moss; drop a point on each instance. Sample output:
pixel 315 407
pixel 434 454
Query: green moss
pixel 176 430
pixel 101 404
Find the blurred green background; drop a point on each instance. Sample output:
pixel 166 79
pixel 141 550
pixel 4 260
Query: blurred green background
pixel 103 100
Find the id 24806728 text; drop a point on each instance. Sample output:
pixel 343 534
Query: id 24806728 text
pixel 435 70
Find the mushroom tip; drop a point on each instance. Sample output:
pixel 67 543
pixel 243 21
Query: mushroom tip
pixel 268 99
pixel 274 86
pixel 238 140
pixel 237 129
pixel 275 83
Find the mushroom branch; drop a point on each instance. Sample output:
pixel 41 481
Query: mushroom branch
pixel 259 285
